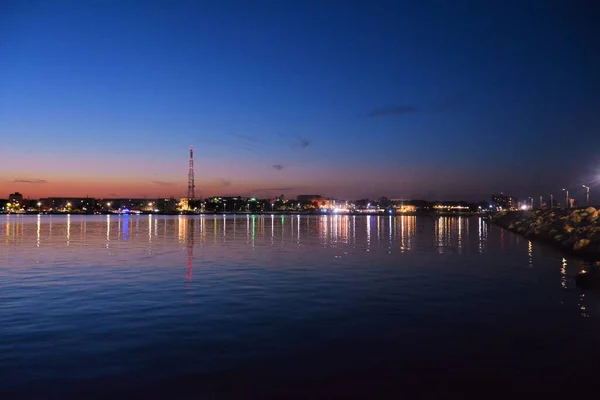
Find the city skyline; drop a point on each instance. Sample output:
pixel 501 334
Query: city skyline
pixel 405 100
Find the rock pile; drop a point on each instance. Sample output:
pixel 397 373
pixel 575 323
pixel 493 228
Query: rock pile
pixel 574 230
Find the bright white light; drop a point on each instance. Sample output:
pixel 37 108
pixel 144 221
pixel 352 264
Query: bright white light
pixel 524 207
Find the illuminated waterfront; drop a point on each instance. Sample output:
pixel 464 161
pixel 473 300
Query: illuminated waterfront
pixel 263 304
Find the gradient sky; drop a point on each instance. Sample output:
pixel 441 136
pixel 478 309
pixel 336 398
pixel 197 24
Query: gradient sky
pixel 416 99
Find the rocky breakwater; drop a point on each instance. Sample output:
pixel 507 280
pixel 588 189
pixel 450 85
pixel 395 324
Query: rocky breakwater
pixel 576 231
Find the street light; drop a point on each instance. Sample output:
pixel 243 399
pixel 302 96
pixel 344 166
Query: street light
pixel 567 198
pixel 587 194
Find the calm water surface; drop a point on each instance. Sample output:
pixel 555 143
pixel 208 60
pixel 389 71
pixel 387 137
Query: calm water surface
pixel 285 306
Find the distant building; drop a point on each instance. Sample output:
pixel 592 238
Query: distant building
pixel 69 204
pixel 402 205
pixel 168 206
pixel 505 202
pixel 404 208
pixel 15 197
pixel 126 204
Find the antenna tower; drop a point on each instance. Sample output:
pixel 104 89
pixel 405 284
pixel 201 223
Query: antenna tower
pixel 191 184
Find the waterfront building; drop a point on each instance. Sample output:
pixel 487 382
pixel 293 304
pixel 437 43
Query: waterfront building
pixel 69 204
pixel 15 197
pixel 505 202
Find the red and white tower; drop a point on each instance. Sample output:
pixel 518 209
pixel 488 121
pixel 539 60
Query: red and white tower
pixel 191 185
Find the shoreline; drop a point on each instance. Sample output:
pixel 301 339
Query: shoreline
pixel 575 232
pixel 309 213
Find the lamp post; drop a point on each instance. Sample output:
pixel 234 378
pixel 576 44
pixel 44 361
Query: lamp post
pixel 587 194
pixel 39 204
pixel 566 198
pixel 551 200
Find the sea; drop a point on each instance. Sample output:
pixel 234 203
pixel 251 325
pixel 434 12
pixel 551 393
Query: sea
pixel 288 306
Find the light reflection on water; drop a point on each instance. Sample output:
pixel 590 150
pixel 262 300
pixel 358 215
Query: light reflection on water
pixel 203 286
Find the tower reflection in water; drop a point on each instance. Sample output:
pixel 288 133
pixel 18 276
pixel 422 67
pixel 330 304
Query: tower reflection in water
pixel 190 251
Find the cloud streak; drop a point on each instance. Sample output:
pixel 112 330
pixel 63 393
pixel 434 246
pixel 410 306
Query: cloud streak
pixel 32 181
pixel 395 110
pixel 163 183
pixel 278 167
pixel 302 142
pixel 246 138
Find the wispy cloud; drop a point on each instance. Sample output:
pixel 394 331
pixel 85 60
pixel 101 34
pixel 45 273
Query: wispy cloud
pixel 163 183
pixel 394 110
pixel 278 167
pixel 33 181
pixel 302 142
pixel 224 182
pixel 113 194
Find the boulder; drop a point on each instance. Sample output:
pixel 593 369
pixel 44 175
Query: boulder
pixel 576 219
pixel 580 244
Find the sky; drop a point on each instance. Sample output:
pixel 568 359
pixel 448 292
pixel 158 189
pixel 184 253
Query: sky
pixel 432 100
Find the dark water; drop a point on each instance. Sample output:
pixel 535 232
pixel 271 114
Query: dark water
pixel 286 307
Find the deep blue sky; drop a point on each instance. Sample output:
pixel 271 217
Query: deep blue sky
pixel 428 99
